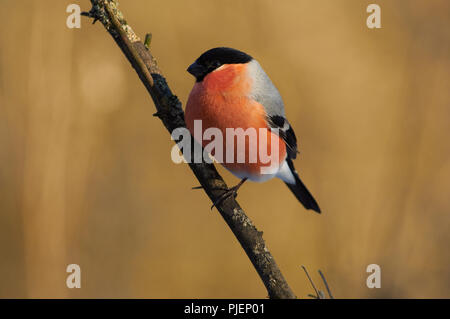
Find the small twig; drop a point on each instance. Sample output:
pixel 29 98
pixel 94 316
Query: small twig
pixel 89 14
pixel 326 284
pixel 319 293
pixel 310 280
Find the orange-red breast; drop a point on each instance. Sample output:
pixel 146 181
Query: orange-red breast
pixel 233 91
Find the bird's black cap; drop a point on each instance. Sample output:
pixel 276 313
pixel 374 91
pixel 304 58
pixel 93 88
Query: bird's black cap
pixel 214 58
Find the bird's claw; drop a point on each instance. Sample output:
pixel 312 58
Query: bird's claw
pixel 225 195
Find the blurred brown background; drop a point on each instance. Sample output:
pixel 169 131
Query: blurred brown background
pixel 86 175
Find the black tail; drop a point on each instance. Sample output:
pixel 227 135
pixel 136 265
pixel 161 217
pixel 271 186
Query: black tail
pixel 301 192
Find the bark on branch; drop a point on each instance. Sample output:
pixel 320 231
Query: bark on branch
pixel 171 114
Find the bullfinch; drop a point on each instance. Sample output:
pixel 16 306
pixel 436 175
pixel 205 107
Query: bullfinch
pixel 232 91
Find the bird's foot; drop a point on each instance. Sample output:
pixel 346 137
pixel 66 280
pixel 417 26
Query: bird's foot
pixel 215 188
pixel 229 192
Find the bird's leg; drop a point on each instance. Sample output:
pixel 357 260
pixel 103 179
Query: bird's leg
pixel 231 191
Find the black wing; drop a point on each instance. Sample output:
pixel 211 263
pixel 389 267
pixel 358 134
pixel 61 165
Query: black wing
pixel 286 132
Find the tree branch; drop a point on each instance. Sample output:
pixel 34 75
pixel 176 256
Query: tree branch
pixel 171 114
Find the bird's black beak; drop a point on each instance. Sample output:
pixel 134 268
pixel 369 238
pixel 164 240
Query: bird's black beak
pixel 197 70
